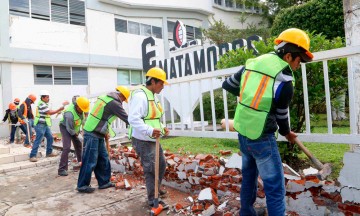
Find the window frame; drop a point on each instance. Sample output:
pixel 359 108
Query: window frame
pixel 53 75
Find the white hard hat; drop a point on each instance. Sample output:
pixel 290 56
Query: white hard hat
pixel 44 92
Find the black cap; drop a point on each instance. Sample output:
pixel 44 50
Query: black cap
pixel 292 48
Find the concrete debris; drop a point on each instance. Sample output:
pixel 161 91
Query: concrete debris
pixel 218 181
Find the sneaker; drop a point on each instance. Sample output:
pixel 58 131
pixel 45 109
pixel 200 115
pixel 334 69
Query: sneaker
pixel 164 205
pixel 52 154
pixel 27 146
pixel 109 184
pixel 33 159
pixel 62 173
pixel 86 189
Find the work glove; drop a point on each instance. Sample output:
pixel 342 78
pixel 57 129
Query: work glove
pixel 17 124
pixel 26 120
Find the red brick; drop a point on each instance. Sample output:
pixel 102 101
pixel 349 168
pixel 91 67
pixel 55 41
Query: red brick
pixel 349 207
pixel 336 196
pixel 197 208
pixel 225 152
pixel 261 193
pixel 228 214
pixel 237 178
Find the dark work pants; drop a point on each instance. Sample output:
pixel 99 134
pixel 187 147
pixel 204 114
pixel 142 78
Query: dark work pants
pixel 66 139
pixel 146 151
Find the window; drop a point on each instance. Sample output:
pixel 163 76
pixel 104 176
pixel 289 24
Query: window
pixel 130 77
pixel 229 3
pixel 43 75
pixel 79 76
pixel 64 11
pixel 120 25
pixel 198 33
pixel 19 7
pixel 218 2
pixel 60 75
pixel 134 28
pixel 239 5
pixel 77 12
pixel 145 30
pixel 170 26
pixel 59 11
pixel 40 9
pixel 189 33
pixel 156 32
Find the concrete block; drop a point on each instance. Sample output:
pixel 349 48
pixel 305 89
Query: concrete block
pixel 294 186
pixel 21 157
pixel 26 165
pixel 42 163
pixel 304 205
pixel 10 167
pixel 4 150
pixel 5 159
pixel 117 167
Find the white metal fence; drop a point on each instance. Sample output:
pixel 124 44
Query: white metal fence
pixel 183 94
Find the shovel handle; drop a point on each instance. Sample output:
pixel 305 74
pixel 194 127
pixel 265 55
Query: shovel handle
pixel 316 162
pixel 157 154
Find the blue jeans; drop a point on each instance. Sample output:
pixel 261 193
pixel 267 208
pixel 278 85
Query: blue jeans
pixel 95 158
pixel 13 130
pixel 261 157
pixel 41 131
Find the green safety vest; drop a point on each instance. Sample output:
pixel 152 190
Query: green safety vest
pixel 256 94
pixel 154 112
pixel 77 120
pixel 96 116
pixel 37 117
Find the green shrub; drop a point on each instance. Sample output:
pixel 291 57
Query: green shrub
pixel 320 16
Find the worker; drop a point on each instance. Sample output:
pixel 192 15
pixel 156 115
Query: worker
pixel 17 130
pixel 145 112
pixel 264 87
pixel 42 125
pixel 26 117
pixel 12 117
pixel 70 125
pixel 97 128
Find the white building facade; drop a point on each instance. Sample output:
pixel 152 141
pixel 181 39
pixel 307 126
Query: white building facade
pixel 77 47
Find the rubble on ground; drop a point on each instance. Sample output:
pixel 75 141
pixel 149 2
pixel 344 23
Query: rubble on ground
pixel 216 182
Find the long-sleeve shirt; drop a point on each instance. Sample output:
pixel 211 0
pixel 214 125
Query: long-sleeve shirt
pixel 68 122
pixel 11 115
pixel 138 109
pixel 114 107
pixel 283 93
pixel 30 114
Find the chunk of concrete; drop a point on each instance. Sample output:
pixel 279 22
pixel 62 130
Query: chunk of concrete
pixel 235 161
pixel 210 211
pixel 310 171
pixel 350 194
pixel 348 176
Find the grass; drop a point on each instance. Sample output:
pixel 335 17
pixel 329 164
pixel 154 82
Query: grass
pixel 326 153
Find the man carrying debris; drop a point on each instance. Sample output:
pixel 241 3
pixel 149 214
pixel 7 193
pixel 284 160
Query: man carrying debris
pixel 70 125
pixel 26 116
pixel 265 89
pixel 145 112
pixel 97 127
pixel 42 125
pixel 12 117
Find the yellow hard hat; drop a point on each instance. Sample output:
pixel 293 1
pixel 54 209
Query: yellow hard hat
pixel 124 91
pixel 157 73
pixel 297 37
pixel 83 103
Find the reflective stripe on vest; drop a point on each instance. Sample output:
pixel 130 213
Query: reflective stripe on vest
pixel 37 117
pixel 256 94
pixel 24 114
pixel 77 120
pixel 96 116
pixel 154 112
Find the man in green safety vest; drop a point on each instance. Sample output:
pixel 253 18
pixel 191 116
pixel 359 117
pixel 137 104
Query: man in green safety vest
pixel 70 126
pixel 98 127
pixel 42 125
pixel 145 112
pixel 265 88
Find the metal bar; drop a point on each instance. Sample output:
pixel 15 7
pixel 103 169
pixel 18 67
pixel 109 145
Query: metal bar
pixel 212 105
pixel 327 96
pixel 201 107
pixel 225 108
pixel 352 106
pixel 306 98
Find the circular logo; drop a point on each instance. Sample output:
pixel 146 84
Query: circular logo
pixel 179 34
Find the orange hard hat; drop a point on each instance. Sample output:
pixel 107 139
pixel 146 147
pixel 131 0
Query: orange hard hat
pixel 32 97
pixel 16 100
pixel 12 106
pixel 297 37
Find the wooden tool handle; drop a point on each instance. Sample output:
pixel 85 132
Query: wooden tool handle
pixel 316 162
pixel 157 154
